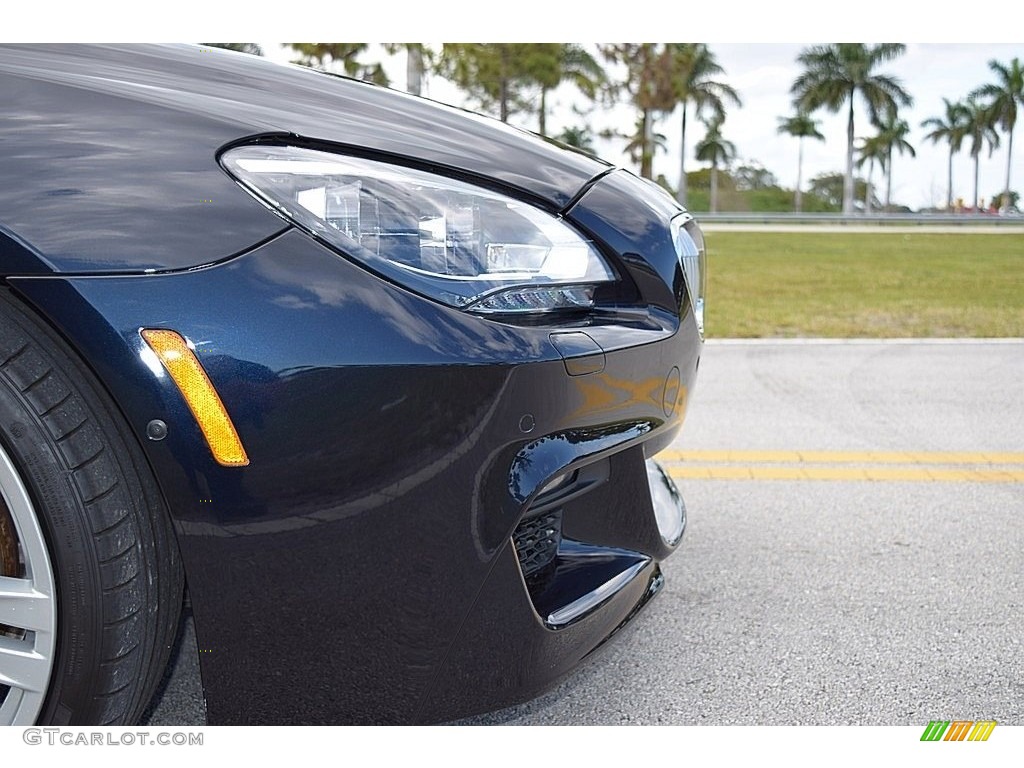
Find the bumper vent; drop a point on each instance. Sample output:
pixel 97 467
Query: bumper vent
pixel 536 541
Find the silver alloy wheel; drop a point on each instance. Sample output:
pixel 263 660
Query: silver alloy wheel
pixel 28 609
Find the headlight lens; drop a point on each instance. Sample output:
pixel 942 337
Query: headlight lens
pixel 689 243
pixel 458 243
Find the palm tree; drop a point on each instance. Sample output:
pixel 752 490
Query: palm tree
pixel 981 131
pixel 801 125
pixel 324 55
pixel 642 145
pixel 835 74
pixel 650 90
pixel 715 150
pixel 951 128
pixel 579 137
pixel 892 132
pixel 417 60
pixel 693 67
pixel 550 64
pixel 1004 97
pixel 872 150
pixel 491 74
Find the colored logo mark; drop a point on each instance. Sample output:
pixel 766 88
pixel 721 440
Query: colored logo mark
pixel 958 730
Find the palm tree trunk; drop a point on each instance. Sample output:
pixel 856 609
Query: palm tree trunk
pixel 414 68
pixel 542 122
pixel 647 150
pixel 503 100
pixel 502 84
pixel 848 179
pixel 867 187
pixel 714 187
pixel 949 182
pixel 1009 159
pixel 799 174
pixel 681 192
pixel 974 205
pixel 888 181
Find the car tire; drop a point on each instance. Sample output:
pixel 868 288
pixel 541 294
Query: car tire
pixel 90 576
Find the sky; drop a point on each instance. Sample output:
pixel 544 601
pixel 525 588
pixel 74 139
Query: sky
pixel 756 42
pixel 762 73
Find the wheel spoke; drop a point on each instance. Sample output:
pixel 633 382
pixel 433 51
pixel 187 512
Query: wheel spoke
pixel 28 605
pixel 9 706
pixel 21 666
pixel 22 606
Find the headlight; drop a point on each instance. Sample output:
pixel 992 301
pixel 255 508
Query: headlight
pixel 689 243
pixel 458 243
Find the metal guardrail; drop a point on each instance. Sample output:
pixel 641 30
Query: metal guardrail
pixel 874 219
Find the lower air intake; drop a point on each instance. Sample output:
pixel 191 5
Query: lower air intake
pixel 537 540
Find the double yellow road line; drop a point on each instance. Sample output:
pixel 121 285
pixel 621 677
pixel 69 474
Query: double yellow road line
pixel 957 467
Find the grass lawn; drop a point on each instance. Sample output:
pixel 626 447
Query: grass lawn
pixel 871 285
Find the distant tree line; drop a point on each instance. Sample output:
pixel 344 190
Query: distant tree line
pixel 659 80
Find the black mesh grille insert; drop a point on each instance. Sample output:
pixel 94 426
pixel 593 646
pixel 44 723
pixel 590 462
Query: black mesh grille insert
pixel 537 541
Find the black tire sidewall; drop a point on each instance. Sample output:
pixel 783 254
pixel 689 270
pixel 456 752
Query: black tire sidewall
pixel 74 563
pixel 116 567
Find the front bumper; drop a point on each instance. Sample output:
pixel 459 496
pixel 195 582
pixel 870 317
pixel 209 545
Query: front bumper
pixel 363 568
pixel 535 633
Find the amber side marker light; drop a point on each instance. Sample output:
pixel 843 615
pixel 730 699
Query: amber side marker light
pixel 190 377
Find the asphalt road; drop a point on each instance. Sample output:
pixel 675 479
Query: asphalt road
pixel 855 550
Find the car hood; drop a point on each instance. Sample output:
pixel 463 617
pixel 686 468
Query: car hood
pixel 111 149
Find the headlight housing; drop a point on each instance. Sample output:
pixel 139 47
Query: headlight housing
pixel 458 243
pixel 689 242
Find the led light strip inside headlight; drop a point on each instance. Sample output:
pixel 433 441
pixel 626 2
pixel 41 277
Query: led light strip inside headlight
pixel 458 243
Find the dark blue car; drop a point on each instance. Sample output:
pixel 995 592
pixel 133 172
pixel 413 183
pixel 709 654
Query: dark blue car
pixel 379 380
